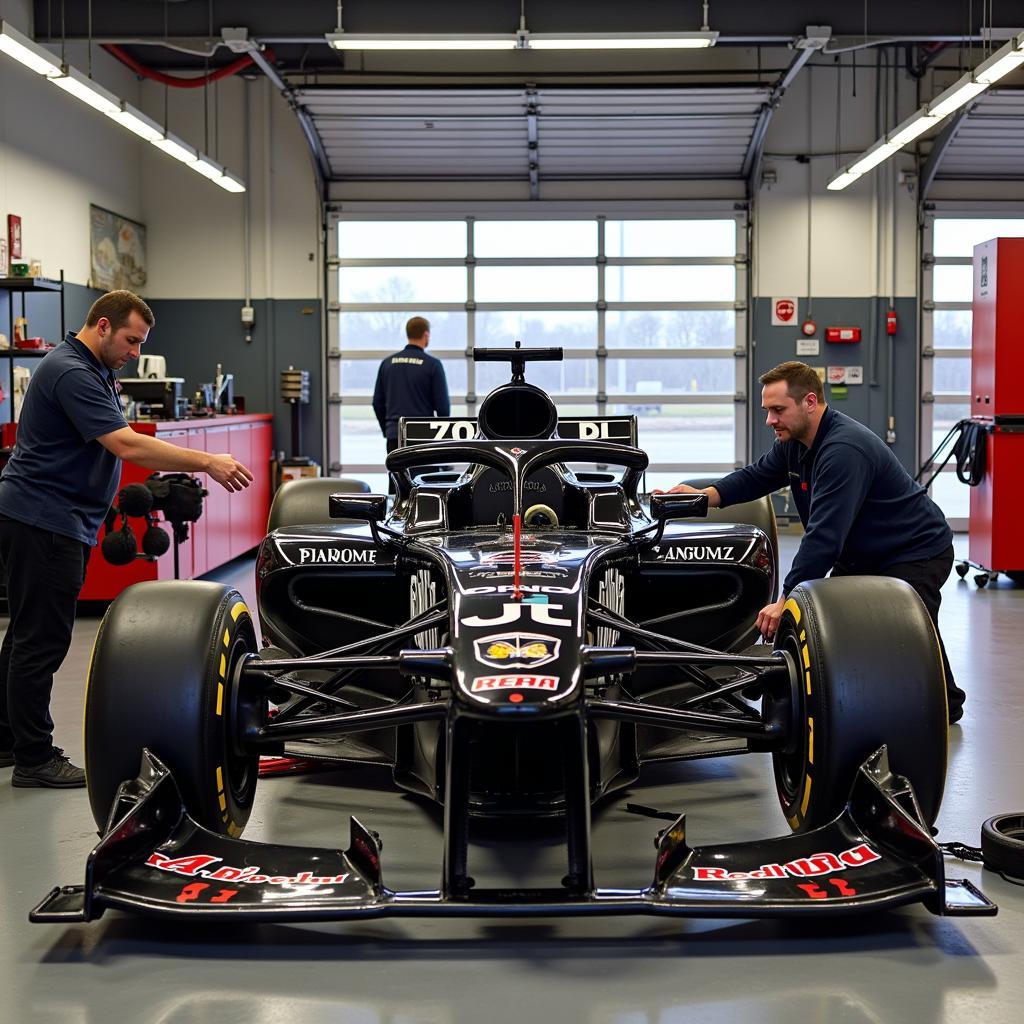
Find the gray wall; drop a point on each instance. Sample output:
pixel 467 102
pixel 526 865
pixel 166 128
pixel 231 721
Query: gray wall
pixel 196 334
pixel 868 402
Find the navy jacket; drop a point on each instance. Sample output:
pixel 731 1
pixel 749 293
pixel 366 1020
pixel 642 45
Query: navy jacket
pixel 409 383
pixel 60 478
pixel 859 506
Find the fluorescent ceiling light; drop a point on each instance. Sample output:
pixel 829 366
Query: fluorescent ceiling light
pixel 992 70
pixel 229 183
pixel 137 123
pixel 26 52
pixel 524 41
pixel 172 147
pixel 1001 63
pixel 873 157
pixel 841 180
pixel 956 96
pixel 72 81
pixel 86 90
pixel 622 40
pixel 207 168
pixel 910 130
pixel 423 41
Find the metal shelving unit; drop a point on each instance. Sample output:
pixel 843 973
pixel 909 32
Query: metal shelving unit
pixel 21 286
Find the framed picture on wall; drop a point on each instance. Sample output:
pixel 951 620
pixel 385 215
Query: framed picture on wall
pixel 5 267
pixel 117 247
pixel 14 235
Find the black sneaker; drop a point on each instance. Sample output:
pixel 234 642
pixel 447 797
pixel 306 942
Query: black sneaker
pixel 6 758
pixel 57 773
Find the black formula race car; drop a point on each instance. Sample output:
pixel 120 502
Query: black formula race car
pixel 516 639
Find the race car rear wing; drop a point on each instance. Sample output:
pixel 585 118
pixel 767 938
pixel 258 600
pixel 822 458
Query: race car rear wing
pixel 415 430
pixel 154 859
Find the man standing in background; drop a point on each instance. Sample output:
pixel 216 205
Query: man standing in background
pixel 410 383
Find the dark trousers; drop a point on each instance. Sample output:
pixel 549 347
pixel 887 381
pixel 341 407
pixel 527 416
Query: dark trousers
pixel 44 572
pixel 392 444
pixel 926 577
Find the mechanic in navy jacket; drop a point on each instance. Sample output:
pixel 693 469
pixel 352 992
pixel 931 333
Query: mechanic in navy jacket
pixel 862 512
pixel 54 494
pixel 410 383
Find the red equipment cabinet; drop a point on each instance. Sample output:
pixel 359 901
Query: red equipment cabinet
pixel 997 399
pixel 231 524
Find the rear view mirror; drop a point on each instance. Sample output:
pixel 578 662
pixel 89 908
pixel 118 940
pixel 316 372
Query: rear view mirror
pixel 678 506
pixel 365 507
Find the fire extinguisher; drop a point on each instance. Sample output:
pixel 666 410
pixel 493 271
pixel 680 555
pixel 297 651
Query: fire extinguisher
pixel 890 322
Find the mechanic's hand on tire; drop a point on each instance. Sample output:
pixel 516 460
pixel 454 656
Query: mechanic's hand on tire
pixel 768 618
pixel 229 472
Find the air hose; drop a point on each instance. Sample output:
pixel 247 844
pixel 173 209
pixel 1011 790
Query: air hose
pixel 967 447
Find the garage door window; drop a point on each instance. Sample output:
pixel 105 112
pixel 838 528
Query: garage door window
pixel 645 309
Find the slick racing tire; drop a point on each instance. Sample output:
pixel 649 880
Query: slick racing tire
pixel 869 672
pixel 1002 844
pixel 162 676
pixel 306 502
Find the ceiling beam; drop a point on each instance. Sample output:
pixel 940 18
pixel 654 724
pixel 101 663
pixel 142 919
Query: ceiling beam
pixel 755 151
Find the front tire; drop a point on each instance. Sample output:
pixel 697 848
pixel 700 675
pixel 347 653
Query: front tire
pixel 869 672
pixel 162 677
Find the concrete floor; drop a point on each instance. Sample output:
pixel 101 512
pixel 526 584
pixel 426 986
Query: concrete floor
pixel 900 966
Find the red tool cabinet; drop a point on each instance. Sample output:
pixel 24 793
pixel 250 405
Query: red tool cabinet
pixel 997 400
pixel 231 524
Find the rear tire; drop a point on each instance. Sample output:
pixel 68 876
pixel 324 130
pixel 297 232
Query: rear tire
pixel 307 502
pixel 870 672
pixel 162 677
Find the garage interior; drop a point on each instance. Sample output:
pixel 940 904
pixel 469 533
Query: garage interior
pixel 680 218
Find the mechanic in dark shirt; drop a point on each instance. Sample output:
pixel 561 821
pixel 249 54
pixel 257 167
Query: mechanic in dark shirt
pixel 54 494
pixel 410 383
pixel 862 512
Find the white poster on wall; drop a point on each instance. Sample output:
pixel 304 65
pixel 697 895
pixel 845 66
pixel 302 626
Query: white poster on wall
pixel 807 346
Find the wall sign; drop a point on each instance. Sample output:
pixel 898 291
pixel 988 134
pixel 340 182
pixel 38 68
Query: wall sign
pixel 807 346
pixel 784 311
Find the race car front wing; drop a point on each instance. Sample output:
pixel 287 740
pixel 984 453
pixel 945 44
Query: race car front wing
pixel 154 859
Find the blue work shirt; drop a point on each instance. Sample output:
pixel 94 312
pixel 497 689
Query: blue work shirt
pixel 859 506
pixel 409 383
pixel 60 477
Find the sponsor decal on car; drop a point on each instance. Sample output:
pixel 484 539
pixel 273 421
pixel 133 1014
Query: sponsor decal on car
pixel 802 867
pixel 528 485
pixel 516 650
pixel 698 553
pixel 525 558
pixel 512 611
pixel 527 588
pixel 518 452
pixel 482 684
pixel 536 574
pixel 201 865
pixel 337 556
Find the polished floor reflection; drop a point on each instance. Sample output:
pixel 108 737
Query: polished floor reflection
pixel 894 967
